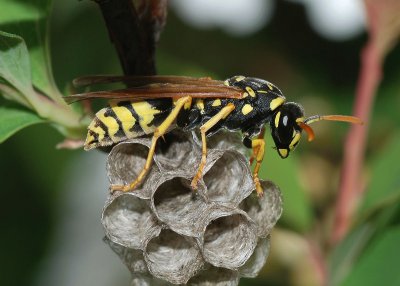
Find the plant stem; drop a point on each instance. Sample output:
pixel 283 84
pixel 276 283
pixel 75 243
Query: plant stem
pixel 66 119
pixel 318 260
pixel 351 185
pixel 13 94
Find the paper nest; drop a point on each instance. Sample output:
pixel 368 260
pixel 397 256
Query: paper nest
pixel 165 233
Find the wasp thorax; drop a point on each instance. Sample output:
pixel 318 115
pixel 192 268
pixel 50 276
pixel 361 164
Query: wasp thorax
pixel 285 129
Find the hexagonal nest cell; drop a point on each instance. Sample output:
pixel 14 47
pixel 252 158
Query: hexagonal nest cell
pixel 168 234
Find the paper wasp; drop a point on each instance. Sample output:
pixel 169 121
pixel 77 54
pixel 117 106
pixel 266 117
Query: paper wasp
pixel 153 105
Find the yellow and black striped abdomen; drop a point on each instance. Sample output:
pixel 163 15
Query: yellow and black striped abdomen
pixel 124 120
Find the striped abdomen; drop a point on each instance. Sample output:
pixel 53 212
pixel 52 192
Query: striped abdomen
pixel 124 120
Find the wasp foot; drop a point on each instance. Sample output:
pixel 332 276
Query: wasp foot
pixel 259 189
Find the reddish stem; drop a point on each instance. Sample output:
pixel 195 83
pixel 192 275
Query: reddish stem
pixel 318 260
pixel 351 185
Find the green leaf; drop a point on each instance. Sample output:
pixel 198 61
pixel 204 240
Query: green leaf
pixel 28 19
pixel 380 263
pixel 385 184
pixel 13 11
pixel 297 212
pixel 380 207
pixel 11 93
pixel 14 62
pixel 13 120
pixel 347 252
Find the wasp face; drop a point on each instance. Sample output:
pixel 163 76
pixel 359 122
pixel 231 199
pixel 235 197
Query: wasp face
pixel 285 129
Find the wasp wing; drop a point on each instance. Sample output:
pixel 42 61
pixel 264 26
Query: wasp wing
pixel 136 81
pixel 161 90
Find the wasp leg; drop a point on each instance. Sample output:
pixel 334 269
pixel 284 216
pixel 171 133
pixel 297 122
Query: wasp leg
pixel 260 136
pixel 258 146
pixel 159 132
pixel 222 114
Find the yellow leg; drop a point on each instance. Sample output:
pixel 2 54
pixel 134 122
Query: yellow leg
pixel 222 114
pixel 258 146
pixel 260 136
pixel 159 132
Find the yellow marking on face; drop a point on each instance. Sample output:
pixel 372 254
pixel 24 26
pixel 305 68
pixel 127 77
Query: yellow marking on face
pixel 226 82
pixel 276 102
pixel 146 113
pixel 246 109
pixel 200 105
pixel 239 78
pixel 262 91
pixel 277 117
pixel 126 118
pixel 295 140
pixel 283 152
pixel 250 91
pixel 216 102
pixel 270 86
pixel 110 122
pixel 245 94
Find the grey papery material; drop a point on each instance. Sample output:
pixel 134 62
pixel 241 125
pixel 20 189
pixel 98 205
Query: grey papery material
pixel 265 211
pixel 173 256
pixel 147 280
pixel 125 162
pixel 222 140
pixel 128 221
pixel 165 232
pixel 175 204
pixel 132 258
pixel 214 276
pixel 181 155
pixel 257 260
pixel 229 179
pixel 229 239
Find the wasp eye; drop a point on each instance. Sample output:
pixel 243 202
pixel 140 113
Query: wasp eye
pixel 285 130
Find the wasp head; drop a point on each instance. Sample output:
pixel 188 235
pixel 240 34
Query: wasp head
pixel 285 128
pixel 288 121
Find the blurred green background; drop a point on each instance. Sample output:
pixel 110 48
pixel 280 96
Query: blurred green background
pixel 51 200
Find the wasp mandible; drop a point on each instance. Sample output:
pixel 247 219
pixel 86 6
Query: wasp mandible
pixel 154 105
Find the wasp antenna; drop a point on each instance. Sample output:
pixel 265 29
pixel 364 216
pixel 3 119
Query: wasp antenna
pixel 308 130
pixel 341 118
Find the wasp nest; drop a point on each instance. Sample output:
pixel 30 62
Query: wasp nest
pixel 166 233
